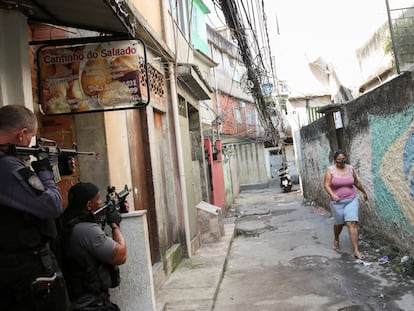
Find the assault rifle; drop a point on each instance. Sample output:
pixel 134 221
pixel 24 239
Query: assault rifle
pixel 115 201
pixel 60 158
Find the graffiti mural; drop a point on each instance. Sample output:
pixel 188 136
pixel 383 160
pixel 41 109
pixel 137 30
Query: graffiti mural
pixel 378 133
pixel 408 162
pixel 393 167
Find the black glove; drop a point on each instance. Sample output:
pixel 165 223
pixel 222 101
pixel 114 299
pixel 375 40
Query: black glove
pixel 65 165
pixel 123 207
pixel 113 216
pixel 41 165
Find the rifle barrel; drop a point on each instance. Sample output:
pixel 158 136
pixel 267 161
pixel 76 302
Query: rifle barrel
pixel 74 151
pixel 50 150
pixel 106 205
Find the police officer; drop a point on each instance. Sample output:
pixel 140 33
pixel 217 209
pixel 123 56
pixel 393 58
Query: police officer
pixel 89 256
pixel 30 278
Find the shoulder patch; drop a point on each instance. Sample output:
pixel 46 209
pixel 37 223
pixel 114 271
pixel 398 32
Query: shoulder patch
pixel 32 179
pixel 36 183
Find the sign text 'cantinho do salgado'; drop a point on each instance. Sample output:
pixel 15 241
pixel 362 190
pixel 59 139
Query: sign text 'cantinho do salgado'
pixel 101 76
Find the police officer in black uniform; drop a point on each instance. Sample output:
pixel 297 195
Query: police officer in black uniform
pixel 30 201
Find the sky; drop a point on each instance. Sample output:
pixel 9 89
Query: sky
pixel 330 29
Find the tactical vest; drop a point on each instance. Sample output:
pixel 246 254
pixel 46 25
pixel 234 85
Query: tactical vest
pixel 83 274
pixel 21 232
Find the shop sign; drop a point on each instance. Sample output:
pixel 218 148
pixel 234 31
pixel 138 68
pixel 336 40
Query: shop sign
pixel 92 77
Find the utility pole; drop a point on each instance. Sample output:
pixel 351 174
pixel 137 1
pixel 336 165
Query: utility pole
pixel 234 22
pixel 394 48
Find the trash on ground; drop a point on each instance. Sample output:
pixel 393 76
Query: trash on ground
pixel 383 259
pixel 364 263
pixel 405 258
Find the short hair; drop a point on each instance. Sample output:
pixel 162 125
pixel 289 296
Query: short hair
pixel 78 196
pixel 80 193
pixel 16 117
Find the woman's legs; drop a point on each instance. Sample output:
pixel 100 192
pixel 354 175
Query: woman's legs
pixel 337 209
pixel 353 235
pixel 337 231
pixel 351 221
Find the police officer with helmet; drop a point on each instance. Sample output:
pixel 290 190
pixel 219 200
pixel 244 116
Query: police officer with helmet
pixel 30 201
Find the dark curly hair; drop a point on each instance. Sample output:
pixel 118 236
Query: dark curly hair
pixel 339 152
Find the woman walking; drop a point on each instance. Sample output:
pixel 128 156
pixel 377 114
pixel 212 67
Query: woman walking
pixel 340 183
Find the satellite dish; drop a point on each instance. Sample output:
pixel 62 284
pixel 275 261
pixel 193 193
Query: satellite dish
pixel 320 70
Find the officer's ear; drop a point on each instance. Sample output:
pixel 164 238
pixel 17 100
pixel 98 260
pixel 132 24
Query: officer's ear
pixel 20 134
pixel 89 206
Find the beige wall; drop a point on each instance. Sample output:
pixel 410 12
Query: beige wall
pixel 15 83
pixel 191 196
pixel 118 157
pixel 151 10
pixel 90 136
pixel 251 163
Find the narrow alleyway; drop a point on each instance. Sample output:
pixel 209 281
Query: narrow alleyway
pixel 281 259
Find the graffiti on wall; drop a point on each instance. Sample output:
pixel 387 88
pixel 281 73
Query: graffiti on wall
pixel 316 154
pixel 392 139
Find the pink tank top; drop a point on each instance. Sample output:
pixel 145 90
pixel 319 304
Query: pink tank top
pixel 342 183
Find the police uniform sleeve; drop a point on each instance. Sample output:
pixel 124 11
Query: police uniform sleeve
pixel 22 189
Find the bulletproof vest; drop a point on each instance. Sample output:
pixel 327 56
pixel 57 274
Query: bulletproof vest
pixel 83 274
pixel 23 232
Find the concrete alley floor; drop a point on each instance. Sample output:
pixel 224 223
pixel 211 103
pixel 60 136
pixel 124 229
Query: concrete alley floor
pixel 281 259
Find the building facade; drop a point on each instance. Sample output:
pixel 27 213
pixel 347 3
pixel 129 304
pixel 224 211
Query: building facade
pixel 157 149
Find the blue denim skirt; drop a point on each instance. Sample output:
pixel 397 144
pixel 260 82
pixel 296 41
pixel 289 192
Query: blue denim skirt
pixel 345 210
